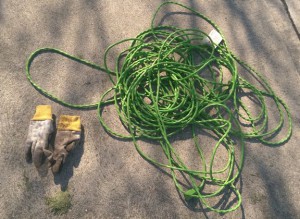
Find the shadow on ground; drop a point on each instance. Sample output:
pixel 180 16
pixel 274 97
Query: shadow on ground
pixel 116 181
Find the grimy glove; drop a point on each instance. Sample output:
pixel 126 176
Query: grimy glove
pixel 67 136
pixel 39 133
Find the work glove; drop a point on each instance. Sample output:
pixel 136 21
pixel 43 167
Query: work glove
pixel 67 136
pixel 39 133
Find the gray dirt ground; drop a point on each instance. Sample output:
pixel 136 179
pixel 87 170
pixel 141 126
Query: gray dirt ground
pixel 105 176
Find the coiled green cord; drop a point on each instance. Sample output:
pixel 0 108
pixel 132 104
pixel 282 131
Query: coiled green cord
pixel 159 89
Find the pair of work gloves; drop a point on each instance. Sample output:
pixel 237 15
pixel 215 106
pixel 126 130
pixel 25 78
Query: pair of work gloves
pixel 41 128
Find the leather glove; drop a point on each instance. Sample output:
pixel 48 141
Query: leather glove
pixel 39 133
pixel 67 136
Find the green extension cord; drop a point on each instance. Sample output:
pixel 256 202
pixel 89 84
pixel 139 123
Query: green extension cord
pixel 159 90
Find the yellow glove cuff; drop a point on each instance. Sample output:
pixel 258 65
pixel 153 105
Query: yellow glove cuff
pixel 69 123
pixel 42 112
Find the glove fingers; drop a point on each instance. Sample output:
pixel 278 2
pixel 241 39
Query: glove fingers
pixel 57 165
pixel 37 157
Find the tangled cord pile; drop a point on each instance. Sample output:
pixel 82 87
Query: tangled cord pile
pixel 160 87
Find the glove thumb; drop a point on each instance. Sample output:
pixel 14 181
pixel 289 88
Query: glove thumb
pixel 47 153
pixel 28 155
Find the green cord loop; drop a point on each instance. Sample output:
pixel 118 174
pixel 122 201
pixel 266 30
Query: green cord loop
pixel 160 87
